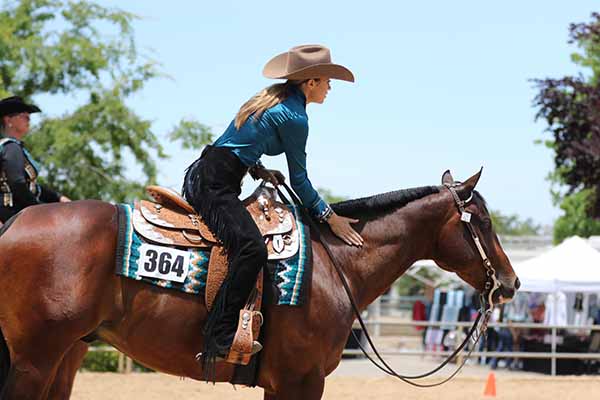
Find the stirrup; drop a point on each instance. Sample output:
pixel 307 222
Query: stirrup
pixel 256 347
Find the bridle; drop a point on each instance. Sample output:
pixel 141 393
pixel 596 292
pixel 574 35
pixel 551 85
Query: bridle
pixel 479 326
pixel 492 284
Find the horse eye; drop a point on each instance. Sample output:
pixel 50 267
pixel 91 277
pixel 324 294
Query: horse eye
pixel 486 223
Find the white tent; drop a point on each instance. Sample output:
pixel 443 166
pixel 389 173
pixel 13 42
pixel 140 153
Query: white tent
pixel 572 266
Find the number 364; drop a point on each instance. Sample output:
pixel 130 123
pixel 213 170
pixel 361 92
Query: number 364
pixel 163 263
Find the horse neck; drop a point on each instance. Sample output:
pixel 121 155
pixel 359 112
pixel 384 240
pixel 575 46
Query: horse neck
pixel 393 242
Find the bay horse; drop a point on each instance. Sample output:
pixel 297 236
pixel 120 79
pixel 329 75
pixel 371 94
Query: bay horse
pixel 58 285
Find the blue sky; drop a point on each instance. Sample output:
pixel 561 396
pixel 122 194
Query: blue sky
pixel 439 85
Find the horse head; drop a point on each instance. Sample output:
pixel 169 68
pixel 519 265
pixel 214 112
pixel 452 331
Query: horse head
pixel 457 249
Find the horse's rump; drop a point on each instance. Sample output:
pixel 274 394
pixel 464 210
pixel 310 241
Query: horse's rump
pixel 4 227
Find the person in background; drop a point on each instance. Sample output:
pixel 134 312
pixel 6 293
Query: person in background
pixel 18 170
pixel 419 313
pixel 504 341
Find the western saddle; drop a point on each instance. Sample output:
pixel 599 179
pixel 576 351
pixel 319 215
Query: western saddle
pixel 172 221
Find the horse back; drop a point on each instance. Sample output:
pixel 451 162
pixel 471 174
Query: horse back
pixel 58 259
pixel 55 221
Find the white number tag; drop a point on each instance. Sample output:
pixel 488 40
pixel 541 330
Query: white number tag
pixel 465 216
pixel 163 263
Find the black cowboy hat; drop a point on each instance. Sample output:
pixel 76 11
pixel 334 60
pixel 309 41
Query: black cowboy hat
pixel 16 105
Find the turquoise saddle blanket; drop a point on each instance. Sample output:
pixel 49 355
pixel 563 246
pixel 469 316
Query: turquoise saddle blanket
pixel 186 270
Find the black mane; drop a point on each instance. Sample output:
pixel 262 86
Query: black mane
pixel 382 203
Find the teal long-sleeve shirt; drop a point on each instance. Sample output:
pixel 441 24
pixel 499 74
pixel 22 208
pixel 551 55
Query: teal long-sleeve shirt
pixel 282 128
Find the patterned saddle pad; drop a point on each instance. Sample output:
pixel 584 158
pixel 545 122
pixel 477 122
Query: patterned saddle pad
pixel 186 269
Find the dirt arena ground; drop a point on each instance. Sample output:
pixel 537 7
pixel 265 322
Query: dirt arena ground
pixel 151 386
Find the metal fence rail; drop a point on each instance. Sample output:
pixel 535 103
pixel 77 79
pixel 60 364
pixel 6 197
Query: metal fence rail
pixel 503 354
pixel 553 355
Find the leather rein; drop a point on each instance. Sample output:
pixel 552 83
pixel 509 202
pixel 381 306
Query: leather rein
pixel 479 325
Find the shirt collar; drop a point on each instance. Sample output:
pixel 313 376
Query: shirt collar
pixel 10 137
pixel 298 93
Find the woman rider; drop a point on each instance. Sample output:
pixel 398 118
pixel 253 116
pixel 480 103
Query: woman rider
pixel 18 171
pixel 272 122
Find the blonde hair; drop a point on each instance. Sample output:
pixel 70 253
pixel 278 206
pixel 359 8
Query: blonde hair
pixel 263 100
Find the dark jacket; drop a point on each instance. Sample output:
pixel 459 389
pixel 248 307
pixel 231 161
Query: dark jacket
pixel 18 180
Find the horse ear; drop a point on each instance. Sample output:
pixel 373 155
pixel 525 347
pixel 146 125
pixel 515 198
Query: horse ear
pixel 470 183
pixel 447 178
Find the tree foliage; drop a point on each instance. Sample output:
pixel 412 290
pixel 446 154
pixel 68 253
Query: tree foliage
pixel 570 106
pixel 329 197
pixel 575 219
pixel 85 51
pixel 513 225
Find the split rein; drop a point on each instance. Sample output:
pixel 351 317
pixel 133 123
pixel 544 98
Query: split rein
pixel 479 325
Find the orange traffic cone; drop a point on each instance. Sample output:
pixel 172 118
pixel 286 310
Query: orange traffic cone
pixel 490 385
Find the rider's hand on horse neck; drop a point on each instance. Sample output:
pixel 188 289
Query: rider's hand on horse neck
pixel 340 226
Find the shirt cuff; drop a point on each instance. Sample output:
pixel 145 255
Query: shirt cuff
pixel 322 211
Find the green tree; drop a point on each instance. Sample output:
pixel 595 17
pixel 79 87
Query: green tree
pixel 513 225
pixel 329 197
pixel 571 108
pixel 406 285
pixel 576 219
pixel 56 48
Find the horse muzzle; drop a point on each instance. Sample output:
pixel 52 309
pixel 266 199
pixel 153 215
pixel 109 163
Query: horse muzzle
pixel 505 293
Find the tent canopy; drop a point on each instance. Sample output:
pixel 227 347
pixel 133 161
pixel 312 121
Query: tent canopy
pixel 572 266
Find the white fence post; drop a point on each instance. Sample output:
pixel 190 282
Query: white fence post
pixel 374 315
pixel 553 367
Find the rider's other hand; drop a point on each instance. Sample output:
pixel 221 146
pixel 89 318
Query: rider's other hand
pixel 64 199
pixel 340 226
pixel 272 176
pixel 280 178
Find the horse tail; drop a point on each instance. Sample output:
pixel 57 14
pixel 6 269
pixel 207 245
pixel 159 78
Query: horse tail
pixel 4 361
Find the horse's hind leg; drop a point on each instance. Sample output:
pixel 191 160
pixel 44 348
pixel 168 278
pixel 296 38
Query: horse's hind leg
pixel 33 367
pixel 27 381
pixel 62 385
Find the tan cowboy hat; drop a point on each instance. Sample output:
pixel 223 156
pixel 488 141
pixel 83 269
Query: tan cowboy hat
pixel 306 62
